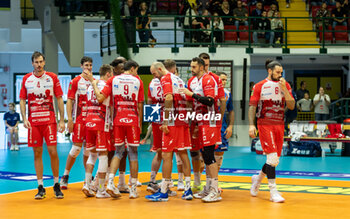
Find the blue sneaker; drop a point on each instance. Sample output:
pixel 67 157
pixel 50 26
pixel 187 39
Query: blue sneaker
pixel 158 197
pixel 188 195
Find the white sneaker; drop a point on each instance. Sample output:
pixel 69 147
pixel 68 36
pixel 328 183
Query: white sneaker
pixel 254 189
pixel 180 186
pixel 113 191
pixel 171 193
pixel 213 196
pixel 171 184
pixel 123 188
pixel 275 196
pixel 87 191
pixel 133 192
pixel 94 185
pixel 102 194
pixel 201 194
pixel 16 148
pixel 12 147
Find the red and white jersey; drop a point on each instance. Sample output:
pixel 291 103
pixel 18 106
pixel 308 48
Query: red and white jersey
pixel 127 92
pixel 77 92
pixel 204 86
pixel 155 93
pixel 269 99
pixel 98 114
pixel 171 85
pixel 39 91
pixel 219 87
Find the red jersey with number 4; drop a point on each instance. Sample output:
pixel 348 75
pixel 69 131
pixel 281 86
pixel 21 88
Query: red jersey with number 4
pixel 171 85
pixel 155 93
pixel 40 91
pixel 269 99
pixel 77 92
pixel 98 114
pixel 205 87
pixel 127 92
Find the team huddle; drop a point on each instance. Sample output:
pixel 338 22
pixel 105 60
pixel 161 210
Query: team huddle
pixel 105 118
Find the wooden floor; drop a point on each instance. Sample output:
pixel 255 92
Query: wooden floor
pixel 236 203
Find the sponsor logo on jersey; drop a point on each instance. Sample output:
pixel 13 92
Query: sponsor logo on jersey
pixel 125 120
pixel 90 124
pixel 47 79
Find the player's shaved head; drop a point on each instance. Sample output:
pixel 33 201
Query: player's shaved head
pixel 158 65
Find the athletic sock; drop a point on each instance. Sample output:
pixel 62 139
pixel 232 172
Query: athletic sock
pixel 55 180
pixel 272 185
pixel 101 184
pixel 214 183
pixel 88 177
pixel 165 185
pixel 208 182
pixel 111 179
pixel 40 182
pixel 197 178
pixel 66 172
pixel 133 181
pixel 121 178
pixel 187 182
pixel 153 176
pixel 181 177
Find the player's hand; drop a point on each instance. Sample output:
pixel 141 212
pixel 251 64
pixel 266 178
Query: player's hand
pixel 252 131
pixel 61 126
pixel 70 126
pixel 164 129
pixel 228 132
pixel 27 124
pixel 186 92
pixel 195 132
pixel 94 82
pixel 88 75
pixel 283 84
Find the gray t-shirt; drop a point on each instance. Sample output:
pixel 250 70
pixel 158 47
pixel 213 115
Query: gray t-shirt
pixel 321 107
pixel 305 104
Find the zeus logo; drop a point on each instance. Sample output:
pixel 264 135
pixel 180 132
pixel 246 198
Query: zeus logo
pixel 125 120
pixel 90 124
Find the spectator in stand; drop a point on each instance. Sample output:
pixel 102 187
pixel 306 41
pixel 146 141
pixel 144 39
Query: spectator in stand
pixel 191 14
pixel 271 2
pixel 142 24
pixel 273 9
pixel 203 5
pixel 277 25
pixel 218 26
pixel 321 103
pixel 257 12
pixel 305 104
pixel 12 119
pixel 202 23
pixel 261 27
pixel 346 7
pixel 226 11
pixel 232 3
pixel 338 15
pixel 302 90
pixel 287 3
pixel 128 13
pixel 215 6
pixel 321 13
pixel 239 13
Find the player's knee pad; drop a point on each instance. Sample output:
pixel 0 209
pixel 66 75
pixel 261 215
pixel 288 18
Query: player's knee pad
pixel 178 159
pixel 132 153
pixel 119 151
pixel 75 151
pixel 92 158
pixel 272 159
pixel 86 153
pixel 270 171
pixel 103 164
pixel 219 159
pixel 208 155
pixel 195 155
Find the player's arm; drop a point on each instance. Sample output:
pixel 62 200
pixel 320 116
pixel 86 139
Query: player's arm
pixel 69 109
pixel 208 101
pixel 26 123
pixel 60 104
pixel 251 117
pixel 140 110
pixel 229 129
pixel 287 95
pixel 168 105
pixel 222 107
pixel 100 96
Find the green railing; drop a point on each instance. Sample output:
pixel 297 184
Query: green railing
pixel 340 109
pixel 323 34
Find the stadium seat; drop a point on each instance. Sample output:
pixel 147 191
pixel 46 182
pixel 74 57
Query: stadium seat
pixel 341 36
pixel 229 35
pixel 328 36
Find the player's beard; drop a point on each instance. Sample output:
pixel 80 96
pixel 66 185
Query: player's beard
pixel 275 79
